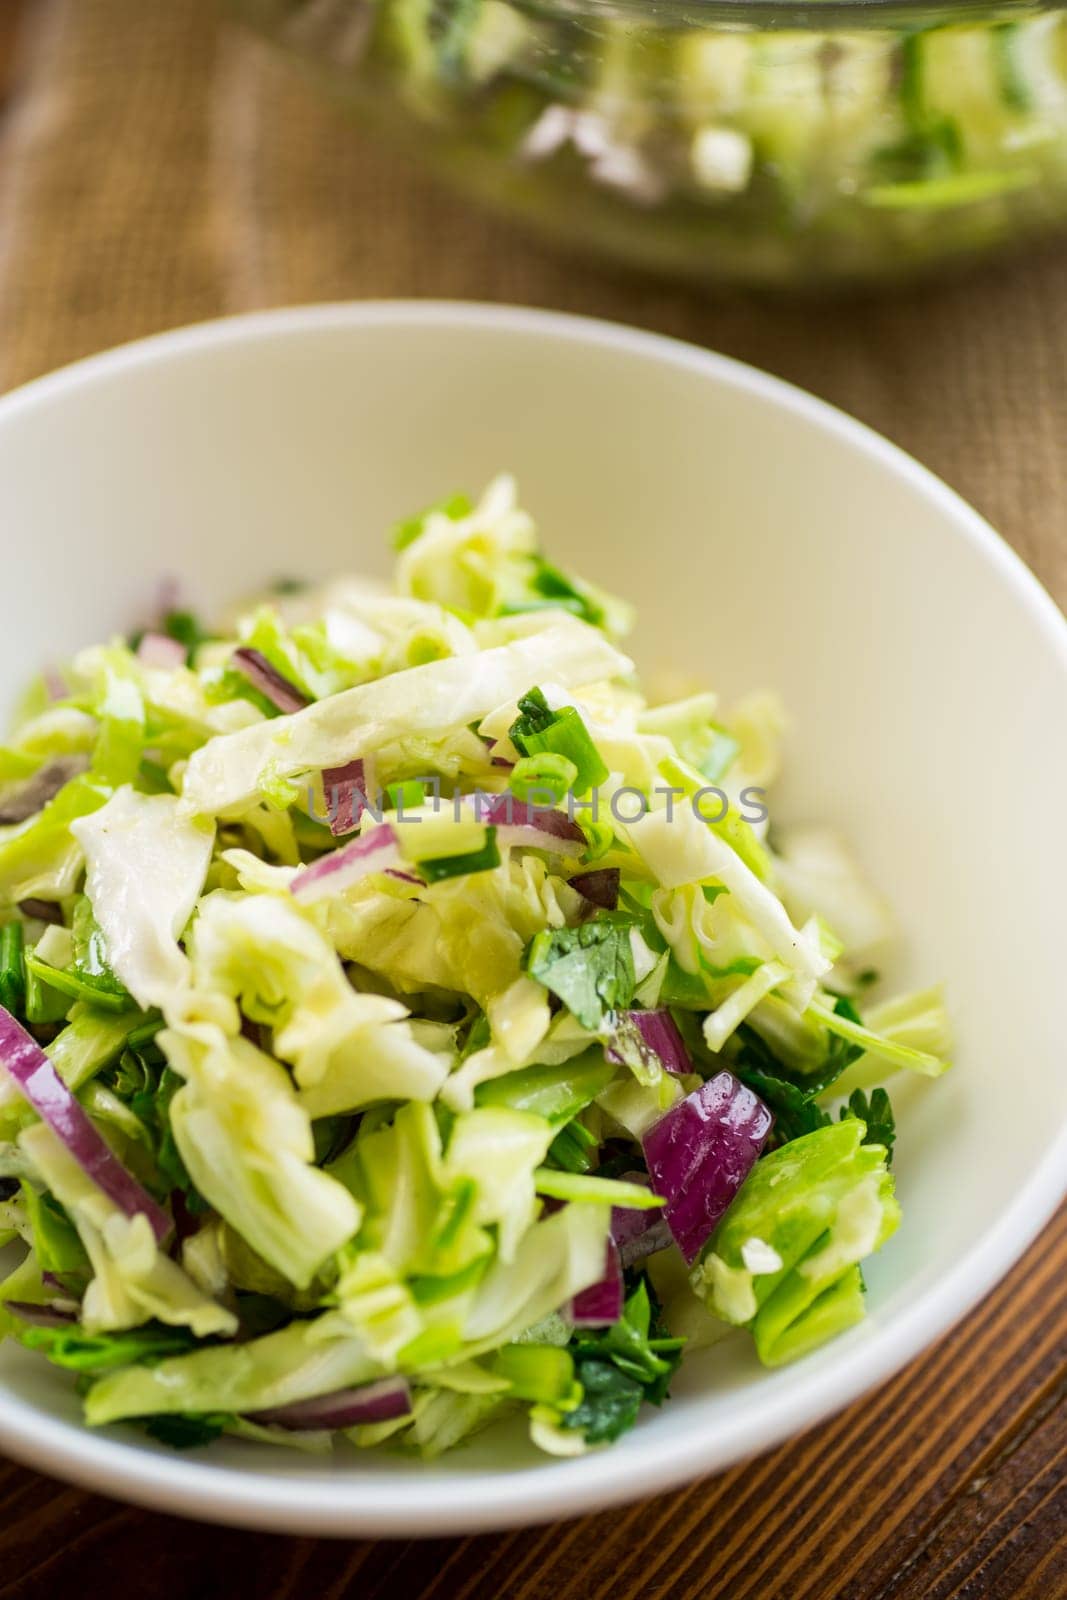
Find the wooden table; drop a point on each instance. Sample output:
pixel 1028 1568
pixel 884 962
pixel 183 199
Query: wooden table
pixel 948 1482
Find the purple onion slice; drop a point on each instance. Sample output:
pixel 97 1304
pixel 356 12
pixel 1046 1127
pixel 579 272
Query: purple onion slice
pixel 660 1032
pixel 332 874
pixel 345 791
pixel 600 1306
pixel 505 811
pixel 42 911
pixel 52 1280
pixel 638 1234
pixel 532 838
pixel 700 1154
pixel 38 1316
pixel 160 650
pixel 25 799
pixel 600 887
pixel 253 665
pixel 52 1100
pixel 344 1408
pixel 56 686
pixel 521 825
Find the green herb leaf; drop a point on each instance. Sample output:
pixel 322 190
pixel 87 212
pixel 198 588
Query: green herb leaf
pixel 792 1095
pixel 609 1405
pixel 142 1079
pixel 185 1432
pixel 877 1113
pixel 720 757
pixel 621 1368
pixel 187 629
pixel 590 968
pixel 12 970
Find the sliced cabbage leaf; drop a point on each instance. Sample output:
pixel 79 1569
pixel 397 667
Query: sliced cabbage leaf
pixel 248 1147
pixel 681 849
pixel 41 858
pixel 259 1375
pixel 419 1215
pixel 146 862
pixel 229 771
pixel 133 1280
pixel 482 561
pixel 816 875
pixel 348 1050
pixel 883 1046
pixel 784 1261
pixel 556 1259
pixel 499 1150
pixel 518 1019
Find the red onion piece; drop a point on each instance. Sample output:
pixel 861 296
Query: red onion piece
pixel 600 887
pixel 345 1408
pixel 55 685
pixel 52 1280
pixel 600 1305
pixel 25 799
pixel 505 811
pixel 660 1032
pixel 160 650
pixel 253 665
pixel 186 1222
pixel 345 791
pixel 46 1316
pixel 495 760
pixel 638 1234
pixel 42 911
pixel 55 1105
pixel 537 839
pixel 376 851
pixel 700 1154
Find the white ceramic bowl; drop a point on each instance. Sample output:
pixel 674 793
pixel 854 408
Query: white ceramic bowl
pixel 769 541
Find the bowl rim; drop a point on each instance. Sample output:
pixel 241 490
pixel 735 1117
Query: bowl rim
pixel 782 15
pixel 389 1505
pixel 770 16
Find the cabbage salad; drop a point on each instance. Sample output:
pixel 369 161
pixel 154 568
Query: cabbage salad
pixel 405 1023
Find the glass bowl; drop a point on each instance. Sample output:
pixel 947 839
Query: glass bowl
pixel 744 141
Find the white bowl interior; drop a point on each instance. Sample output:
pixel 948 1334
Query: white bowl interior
pixel 768 542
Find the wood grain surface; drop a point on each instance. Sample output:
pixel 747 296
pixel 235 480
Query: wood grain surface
pixel 946 1484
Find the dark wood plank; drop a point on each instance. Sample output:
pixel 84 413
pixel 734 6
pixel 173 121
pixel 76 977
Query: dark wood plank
pixel 12 17
pixel 947 1484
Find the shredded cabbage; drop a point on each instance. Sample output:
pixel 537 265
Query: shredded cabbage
pixel 376 1064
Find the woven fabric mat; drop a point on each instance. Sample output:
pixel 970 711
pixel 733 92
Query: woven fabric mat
pixel 159 167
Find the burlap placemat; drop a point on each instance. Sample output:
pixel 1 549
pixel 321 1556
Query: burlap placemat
pixel 159 168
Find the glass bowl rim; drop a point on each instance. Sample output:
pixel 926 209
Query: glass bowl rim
pixel 803 15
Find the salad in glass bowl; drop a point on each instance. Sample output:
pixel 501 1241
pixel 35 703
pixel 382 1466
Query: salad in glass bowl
pixel 406 1022
pixel 799 144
